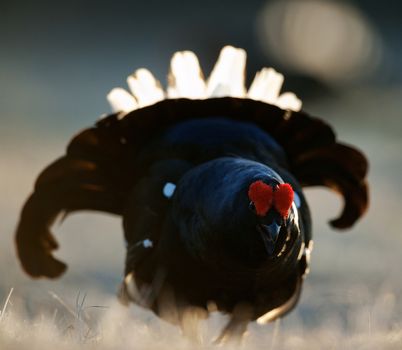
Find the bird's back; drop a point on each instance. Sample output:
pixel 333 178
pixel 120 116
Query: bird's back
pixel 219 136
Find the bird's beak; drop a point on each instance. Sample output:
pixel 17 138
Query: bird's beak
pixel 269 235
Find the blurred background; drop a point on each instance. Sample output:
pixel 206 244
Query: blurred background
pixel 58 60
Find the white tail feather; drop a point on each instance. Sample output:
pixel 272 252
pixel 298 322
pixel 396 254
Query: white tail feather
pixel 266 86
pixel 146 89
pixel 228 76
pixel 121 100
pixel 288 100
pixel 186 78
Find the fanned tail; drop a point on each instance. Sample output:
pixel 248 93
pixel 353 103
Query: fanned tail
pixel 98 169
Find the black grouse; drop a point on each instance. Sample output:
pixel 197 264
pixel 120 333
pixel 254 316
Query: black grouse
pixel 210 192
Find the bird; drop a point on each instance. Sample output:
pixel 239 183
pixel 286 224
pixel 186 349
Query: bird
pixel 208 179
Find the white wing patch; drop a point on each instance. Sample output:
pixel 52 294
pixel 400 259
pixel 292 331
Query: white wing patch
pixel 146 243
pixel 168 189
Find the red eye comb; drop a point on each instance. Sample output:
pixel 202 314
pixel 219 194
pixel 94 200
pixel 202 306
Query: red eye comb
pixel 261 195
pixel 264 196
pixel 283 198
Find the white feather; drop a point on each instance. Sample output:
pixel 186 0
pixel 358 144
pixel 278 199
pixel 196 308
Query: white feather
pixel 186 80
pixel 186 77
pixel 146 89
pixel 288 100
pixel 228 75
pixel 266 86
pixel 168 189
pixel 121 101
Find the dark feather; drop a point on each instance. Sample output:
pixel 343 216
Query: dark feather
pixel 212 149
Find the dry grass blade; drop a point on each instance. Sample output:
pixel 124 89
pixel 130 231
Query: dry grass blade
pixel 3 310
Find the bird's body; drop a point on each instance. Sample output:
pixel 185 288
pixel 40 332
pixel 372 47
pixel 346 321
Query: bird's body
pixel 211 162
pixel 210 192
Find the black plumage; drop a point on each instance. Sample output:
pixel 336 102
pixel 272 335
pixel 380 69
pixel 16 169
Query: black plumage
pixel 201 241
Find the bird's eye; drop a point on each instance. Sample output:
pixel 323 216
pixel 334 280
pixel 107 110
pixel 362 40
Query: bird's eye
pixel 251 206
